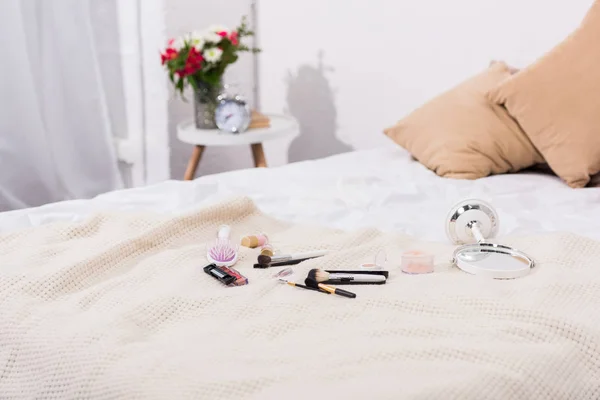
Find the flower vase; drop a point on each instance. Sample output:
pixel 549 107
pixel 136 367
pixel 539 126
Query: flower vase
pixel 205 104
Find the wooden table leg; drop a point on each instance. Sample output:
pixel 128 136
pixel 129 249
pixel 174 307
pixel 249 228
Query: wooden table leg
pixel 193 163
pixel 259 155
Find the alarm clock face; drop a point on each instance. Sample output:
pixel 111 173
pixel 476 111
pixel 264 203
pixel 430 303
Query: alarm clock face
pixel 232 116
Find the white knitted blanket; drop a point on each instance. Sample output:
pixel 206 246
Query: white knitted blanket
pixel 119 308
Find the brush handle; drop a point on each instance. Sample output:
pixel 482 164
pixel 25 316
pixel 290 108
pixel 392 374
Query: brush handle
pixel 298 256
pixel 306 287
pixel 312 288
pixel 345 293
pixel 289 262
pixel 333 277
pixel 281 263
pixel 310 254
pixel 339 292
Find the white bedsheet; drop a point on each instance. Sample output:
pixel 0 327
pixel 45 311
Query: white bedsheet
pixel 382 188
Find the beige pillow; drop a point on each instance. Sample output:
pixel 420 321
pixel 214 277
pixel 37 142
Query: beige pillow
pixel 556 101
pixel 460 134
pixel 511 69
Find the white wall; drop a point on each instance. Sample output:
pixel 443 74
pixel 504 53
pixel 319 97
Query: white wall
pixel 382 58
pixel 186 15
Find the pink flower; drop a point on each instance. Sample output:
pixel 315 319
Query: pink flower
pixel 233 37
pixel 193 63
pixel 168 55
pixel 222 34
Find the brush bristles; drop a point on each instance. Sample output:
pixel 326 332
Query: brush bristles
pixel 318 275
pixel 264 259
pixel 311 282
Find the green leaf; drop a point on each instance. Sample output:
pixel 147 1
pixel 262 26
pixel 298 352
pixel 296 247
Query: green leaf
pixel 192 82
pixel 180 86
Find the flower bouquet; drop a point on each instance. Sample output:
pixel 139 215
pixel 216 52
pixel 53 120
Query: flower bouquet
pixel 199 59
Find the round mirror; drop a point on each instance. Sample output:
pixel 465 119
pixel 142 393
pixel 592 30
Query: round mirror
pixel 492 260
pixel 473 222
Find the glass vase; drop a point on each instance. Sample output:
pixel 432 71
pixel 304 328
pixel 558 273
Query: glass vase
pixel 205 104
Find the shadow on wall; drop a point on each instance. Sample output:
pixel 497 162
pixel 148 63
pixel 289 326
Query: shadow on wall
pixel 310 100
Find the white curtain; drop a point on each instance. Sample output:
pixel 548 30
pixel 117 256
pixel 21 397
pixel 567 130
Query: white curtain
pixel 55 123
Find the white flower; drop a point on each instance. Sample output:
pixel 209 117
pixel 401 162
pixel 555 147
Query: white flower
pixel 218 28
pixel 197 40
pixel 178 43
pixel 212 37
pixel 213 54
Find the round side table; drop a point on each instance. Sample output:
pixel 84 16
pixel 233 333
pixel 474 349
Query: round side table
pixel 281 126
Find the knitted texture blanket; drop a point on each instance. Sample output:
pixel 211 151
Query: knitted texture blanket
pixel 118 307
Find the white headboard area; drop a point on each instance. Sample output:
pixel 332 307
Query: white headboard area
pixel 348 68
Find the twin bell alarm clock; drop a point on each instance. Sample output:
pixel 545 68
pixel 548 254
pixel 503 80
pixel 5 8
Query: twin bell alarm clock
pixel 232 113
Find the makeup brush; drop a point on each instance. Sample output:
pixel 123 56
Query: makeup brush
pixel 323 276
pixel 264 259
pixel 305 287
pixel 281 264
pixel 288 271
pixel 311 282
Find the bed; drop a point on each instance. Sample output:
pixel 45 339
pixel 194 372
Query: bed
pixel 103 298
pixel 383 188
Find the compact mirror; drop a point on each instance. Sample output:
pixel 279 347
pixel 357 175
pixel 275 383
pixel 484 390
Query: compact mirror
pixel 469 224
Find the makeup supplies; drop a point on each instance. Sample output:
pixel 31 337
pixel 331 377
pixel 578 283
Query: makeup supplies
pixel 378 264
pixel 416 262
pixel 288 271
pixel 283 273
pixel 282 264
pixel 310 282
pixel 267 250
pixel 347 277
pixel 240 280
pixel 226 275
pixel 253 241
pixel 290 258
pixel 470 224
pixel 223 252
